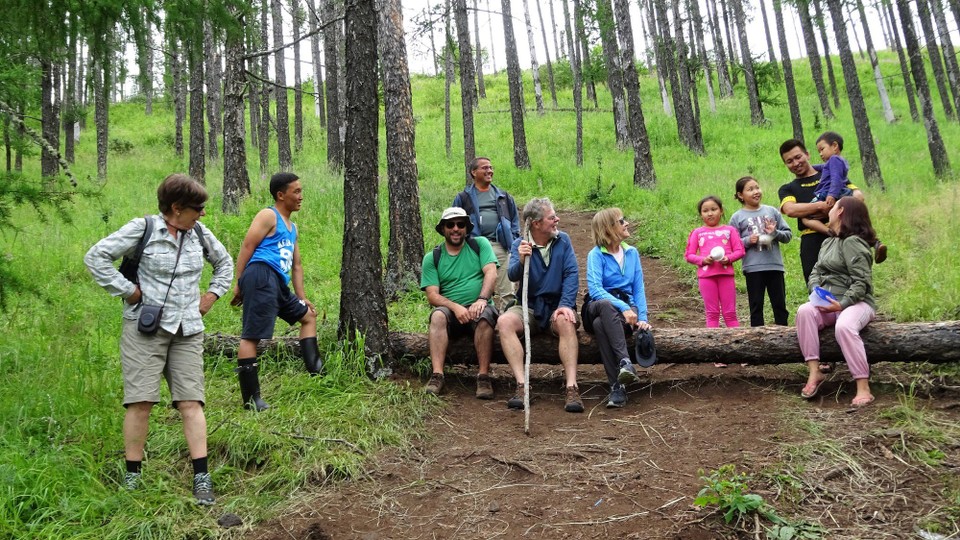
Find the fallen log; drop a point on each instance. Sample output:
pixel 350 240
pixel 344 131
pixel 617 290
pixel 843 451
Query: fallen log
pixel 936 342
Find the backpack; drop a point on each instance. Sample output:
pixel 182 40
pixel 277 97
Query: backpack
pixel 471 241
pixel 131 263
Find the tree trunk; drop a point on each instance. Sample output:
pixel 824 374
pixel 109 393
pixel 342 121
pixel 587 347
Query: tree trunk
pixel 448 75
pixel 643 173
pixel 50 125
pixel 101 90
pixel 144 41
pixel 534 65
pixel 877 75
pixel 520 157
pixel 701 48
pixel 284 154
pixel 822 26
pixel 406 231
pixel 936 343
pixel 586 68
pixel 728 27
pixel 904 68
pixel 319 107
pixel 70 106
pixel 884 24
pixel 853 30
pixel 949 54
pixel 546 49
pixel 938 152
pixel 481 88
pixel 577 77
pixel 361 270
pixel 266 89
pixel 691 117
pixel 493 55
pixel 236 181
pixel 428 12
pixel 297 15
pixel 673 62
pixel 753 95
pixel 861 122
pixel 939 74
pixel 253 96
pixel 723 71
pixel 766 30
pixel 611 54
pixel 211 54
pixel 331 53
pixel 567 25
pixel 792 100
pixel 467 86
pixel 198 164
pixel 813 55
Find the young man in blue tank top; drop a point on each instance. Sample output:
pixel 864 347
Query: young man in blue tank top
pixel 269 260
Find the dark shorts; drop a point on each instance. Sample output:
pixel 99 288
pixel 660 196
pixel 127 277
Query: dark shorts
pixel 266 297
pixel 454 328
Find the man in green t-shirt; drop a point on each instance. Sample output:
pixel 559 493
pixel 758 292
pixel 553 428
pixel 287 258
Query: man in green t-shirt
pixel 458 278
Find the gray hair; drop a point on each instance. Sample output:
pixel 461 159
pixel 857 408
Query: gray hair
pixel 536 209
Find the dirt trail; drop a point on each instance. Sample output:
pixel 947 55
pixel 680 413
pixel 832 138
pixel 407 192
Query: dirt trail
pixel 618 473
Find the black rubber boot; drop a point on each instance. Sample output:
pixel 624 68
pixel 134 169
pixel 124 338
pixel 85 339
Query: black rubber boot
pixel 311 355
pixel 247 372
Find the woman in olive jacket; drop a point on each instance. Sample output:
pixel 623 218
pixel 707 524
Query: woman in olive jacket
pixel 845 268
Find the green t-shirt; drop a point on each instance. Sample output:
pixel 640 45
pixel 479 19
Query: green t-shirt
pixel 460 277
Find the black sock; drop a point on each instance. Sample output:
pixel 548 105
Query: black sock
pixel 134 466
pixel 200 465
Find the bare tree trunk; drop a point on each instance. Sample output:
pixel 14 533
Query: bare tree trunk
pixel 493 55
pixel 198 165
pixel 643 173
pixel 467 87
pixel 534 65
pixel 611 55
pixel 664 64
pixel 266 89
pixel 723 70
pixel 938 152
pixel 567 25
pixel 253 95
pixel 331 52
pixel 861 122
pixel 319 109
pixel 481 87
pixel 691 115
pixel 101 90
pixel 546 49
pixel 70 105
pixel 672 62
pixel 813 55
pixel 696 22
pixel 732 52
pixel 792 100
pixel 553 25
pixel 904 68
pixel 211 54
pixel 144 40
pixel 297 15
pixel 577 77
pixel 949 54
pixel 179 90
pixel 753 96
pixel 433 43
pixel 586 69
pixel 853 30
pixel 766 30
pixel 448 75
pixel 284 155
pixel 822 25
pixel 50 126
pixel 236 181
pixel 884 24
pixel 874 62
pixel 361 271
pixel 520 157
pixel 405 252
pixel 933 51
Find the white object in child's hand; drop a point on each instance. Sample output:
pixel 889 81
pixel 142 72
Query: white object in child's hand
pixel 765 240
pixel 717 253
pixel 821 297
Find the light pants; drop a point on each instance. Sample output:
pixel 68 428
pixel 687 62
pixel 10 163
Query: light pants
pixel 719 295
pixel 848 322
pixel 504 288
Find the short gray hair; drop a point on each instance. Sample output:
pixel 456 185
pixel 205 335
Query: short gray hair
pixel 536 209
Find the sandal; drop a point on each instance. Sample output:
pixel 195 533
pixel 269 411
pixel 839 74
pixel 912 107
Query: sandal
pixel 810 390
pixel 862 401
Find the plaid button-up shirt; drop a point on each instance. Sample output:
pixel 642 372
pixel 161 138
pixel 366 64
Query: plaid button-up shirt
pixel 181 310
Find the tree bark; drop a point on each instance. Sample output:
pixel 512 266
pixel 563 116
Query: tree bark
pixel 936 343
pixel 50 124
pixel 433 43
pixel 611 54
pixel 766 30
pixel 319 106
pixel 546 50
pixel 211 54
pixel 904 67
pixel 179 93
pixel 794 103
pixel 493 55
pixel 822 26
pixel 643 172
pixel 949 54
pixel 467 86
pixel 701 48
pixel 198 165
pixel 331 52
pixel 728 27
pixel 674 63
pixel 586 68
pixel 861 122
pixel 236 181
pixel 481 87
pixel 723 71
pixel 753 94
pixel 933 50
pixel 70 103
pixel 284 154
pixel 448 75
pixel 144 41
pixel 361 271
pixel 297 16
pixel 938 152
pixel 875 63
pixel 577 77
pixel 520 157
pixel 266 89
pixel 534 65
pixel 405 252
pixel 813 55
pixel 101 89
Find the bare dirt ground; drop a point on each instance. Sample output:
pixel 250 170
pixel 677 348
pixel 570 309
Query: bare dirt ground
pixel 634 472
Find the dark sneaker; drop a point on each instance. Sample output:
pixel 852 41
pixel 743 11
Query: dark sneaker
pixel 618 396
pixel 203 489
pixel 435 384
pixel 880 252
pixel 516 402
pixel 628 373
pixel 484 387
pixel 573 402
pixel 131 481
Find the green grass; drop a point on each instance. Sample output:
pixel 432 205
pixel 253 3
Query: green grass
pixel 60 433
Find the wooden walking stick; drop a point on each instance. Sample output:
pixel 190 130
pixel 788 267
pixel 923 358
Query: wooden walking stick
pixel 526 335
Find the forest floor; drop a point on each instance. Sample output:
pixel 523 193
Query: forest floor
pixel 635 472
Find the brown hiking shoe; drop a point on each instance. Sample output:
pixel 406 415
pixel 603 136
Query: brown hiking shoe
pixel 435 384
pixel 573 402
pixel 516 402
pixel 880 252
pixel 484 387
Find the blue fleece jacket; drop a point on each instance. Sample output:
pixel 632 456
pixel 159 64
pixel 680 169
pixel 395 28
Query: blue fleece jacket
pixel 604 275
pixel 508 229
pixel 551 286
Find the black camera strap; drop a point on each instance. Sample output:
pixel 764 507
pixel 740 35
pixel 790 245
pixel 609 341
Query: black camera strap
pixel 175 263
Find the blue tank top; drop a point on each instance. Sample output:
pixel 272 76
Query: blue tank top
pixel 276 250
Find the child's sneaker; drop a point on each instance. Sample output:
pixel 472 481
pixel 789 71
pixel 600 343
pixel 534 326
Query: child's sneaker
pixel 880 250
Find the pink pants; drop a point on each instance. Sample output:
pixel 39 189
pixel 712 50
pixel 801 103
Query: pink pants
pixel 848 322
pixel 719 295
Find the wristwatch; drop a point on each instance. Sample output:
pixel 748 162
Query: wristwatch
pixel 484 298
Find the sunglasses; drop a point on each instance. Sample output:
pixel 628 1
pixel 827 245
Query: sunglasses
pixel 198 208
pixel 455 224
pixel 622 221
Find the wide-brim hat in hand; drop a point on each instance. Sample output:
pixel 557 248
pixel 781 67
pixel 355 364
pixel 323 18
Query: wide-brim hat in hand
pixel 646 352
pixel 454 212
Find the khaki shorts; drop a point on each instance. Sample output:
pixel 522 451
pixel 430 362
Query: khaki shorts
pixel 145 359
pixel 534 325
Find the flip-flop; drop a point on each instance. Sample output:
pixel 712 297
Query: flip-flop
pixel 862 402
pixel 807 395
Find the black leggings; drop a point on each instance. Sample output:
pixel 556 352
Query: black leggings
pixel 771 282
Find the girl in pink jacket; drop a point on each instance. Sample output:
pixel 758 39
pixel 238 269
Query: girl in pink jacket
pixel 712 249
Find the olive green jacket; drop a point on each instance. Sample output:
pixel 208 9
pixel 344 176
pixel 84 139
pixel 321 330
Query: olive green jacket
pixel 845 268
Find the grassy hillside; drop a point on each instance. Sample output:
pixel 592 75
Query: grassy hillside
pixel 60 434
